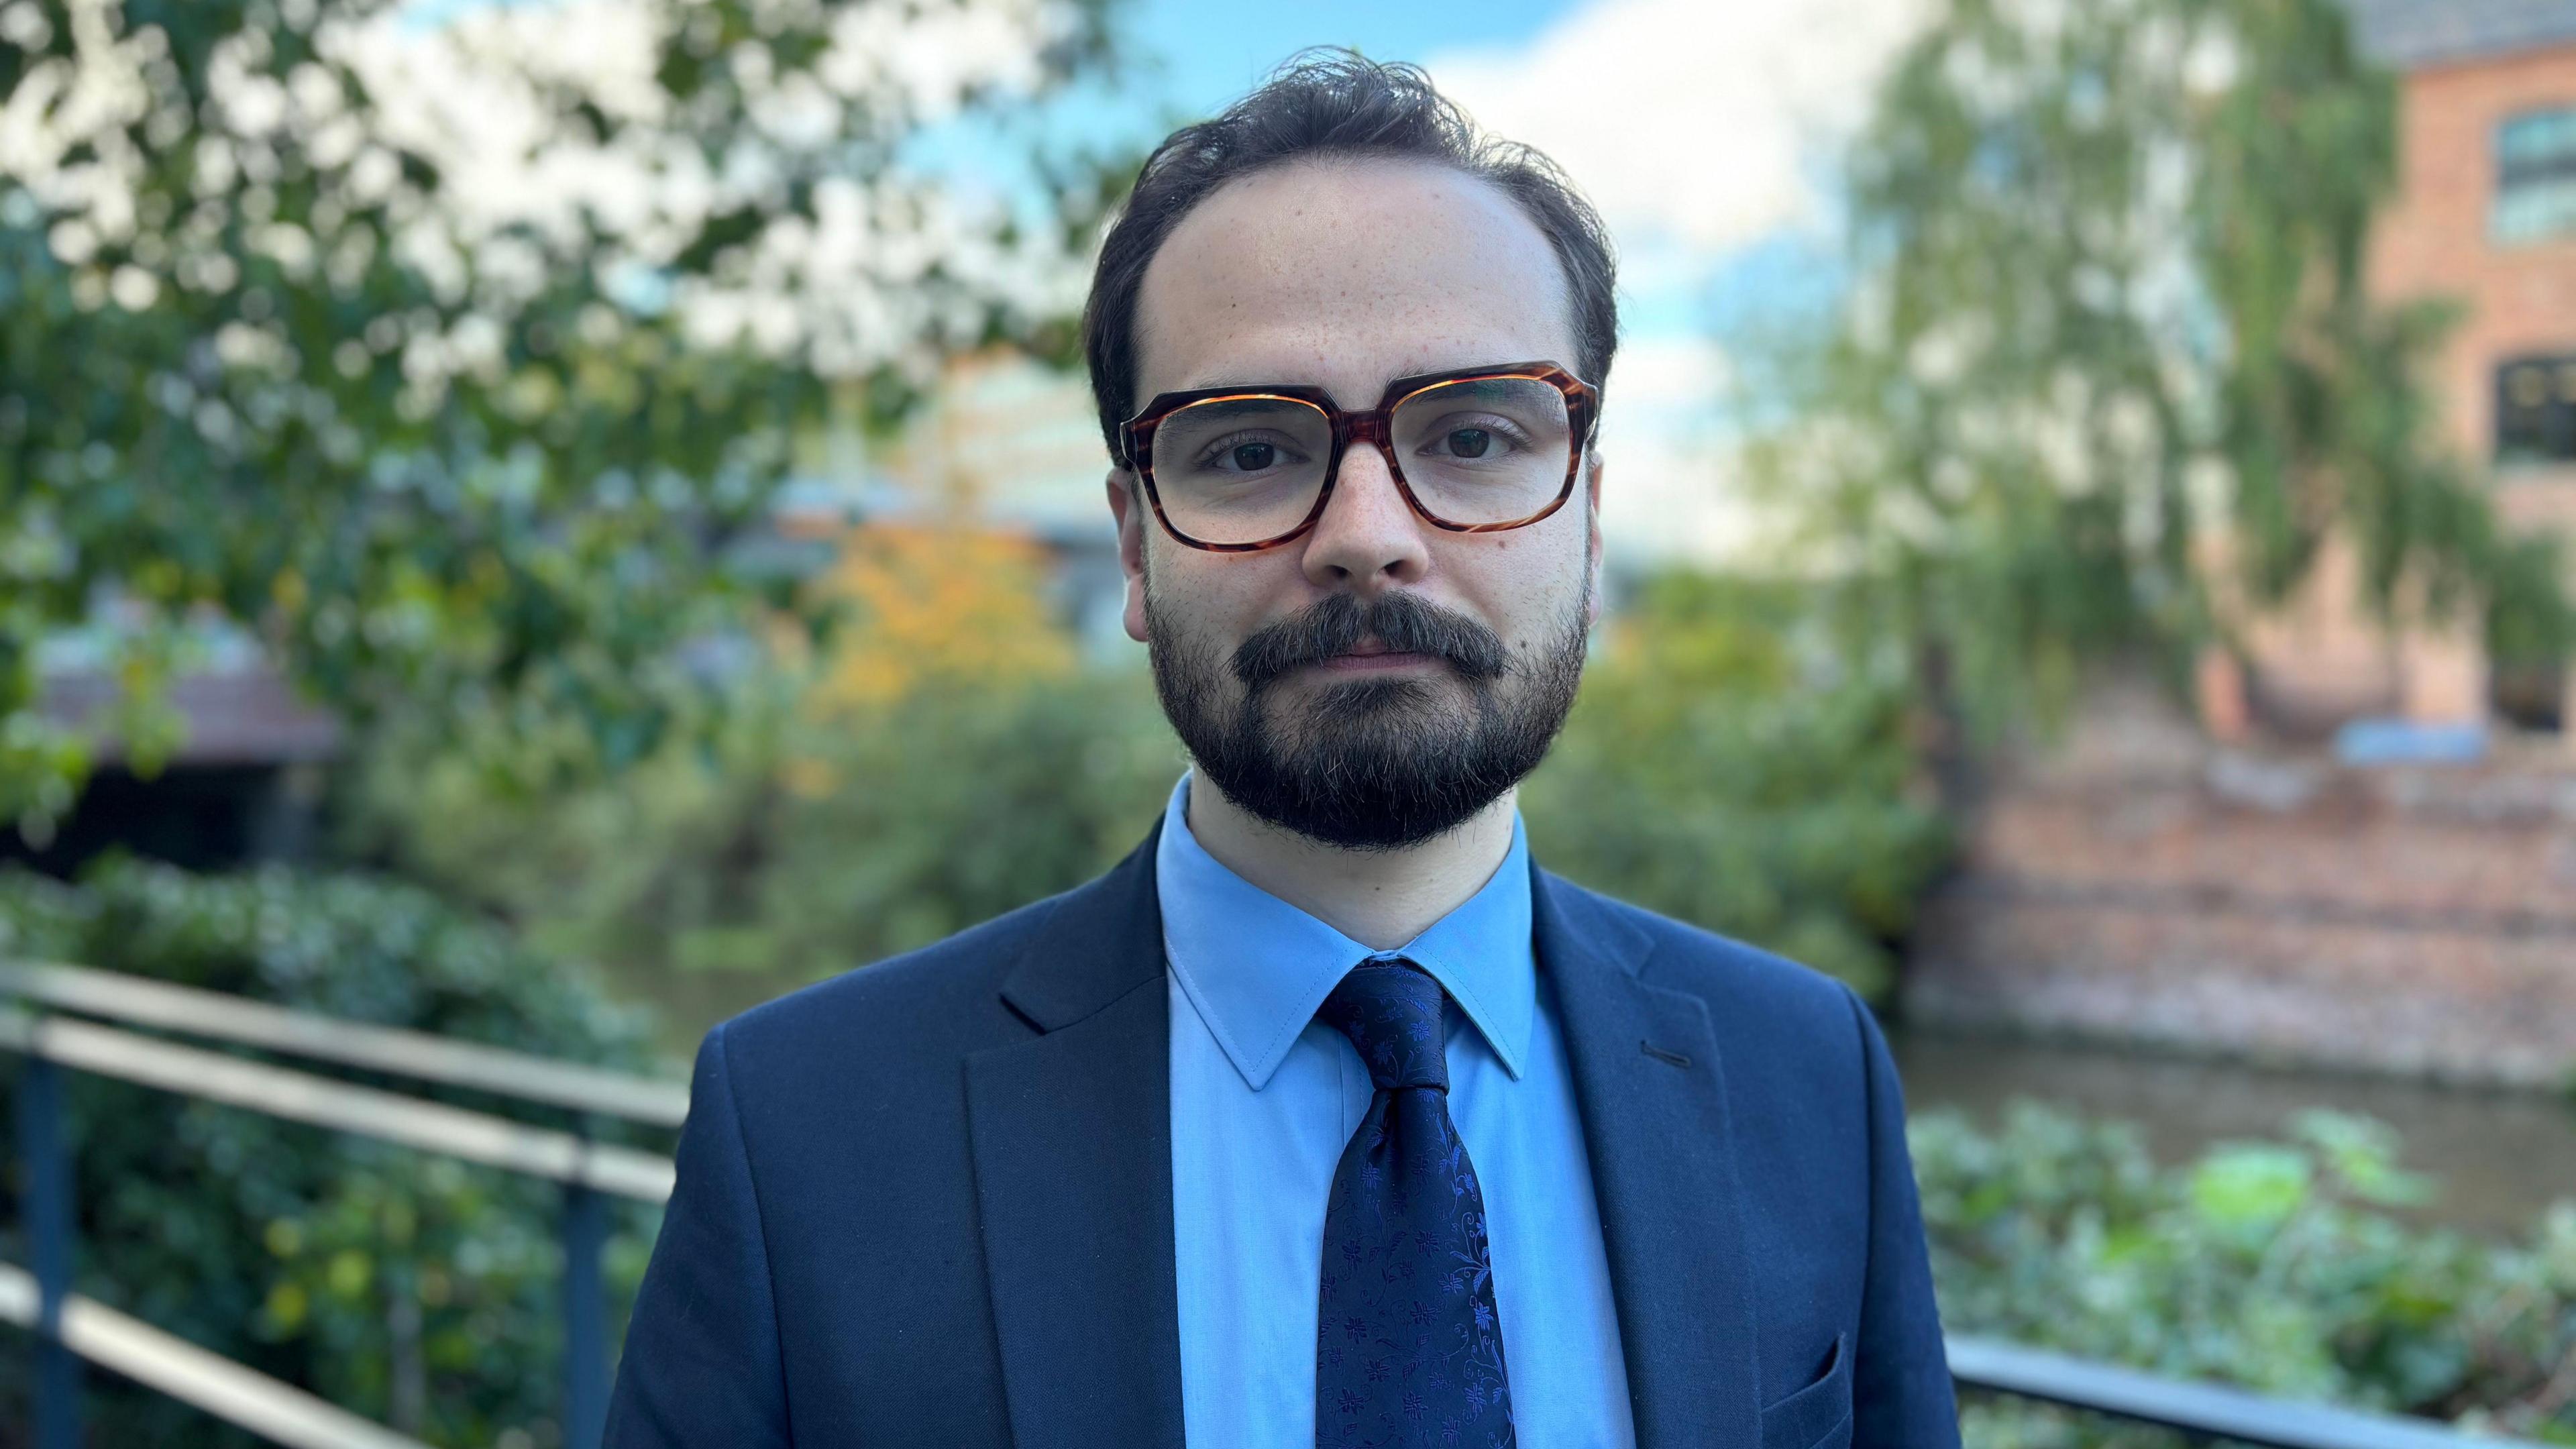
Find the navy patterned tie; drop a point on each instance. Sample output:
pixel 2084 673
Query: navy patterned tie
pixel 1408 1348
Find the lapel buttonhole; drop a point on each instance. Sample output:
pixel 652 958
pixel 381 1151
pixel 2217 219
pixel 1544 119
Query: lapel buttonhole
pixel 1673 1059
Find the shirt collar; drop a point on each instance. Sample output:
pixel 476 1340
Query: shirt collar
pixel 1257 968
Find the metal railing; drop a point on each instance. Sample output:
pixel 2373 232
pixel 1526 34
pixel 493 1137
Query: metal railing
pixel 279 1413
pixel 71 1328
pixel 2205 1412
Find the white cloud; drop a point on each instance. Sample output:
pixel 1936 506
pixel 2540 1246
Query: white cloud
pixel 1699 128
pixel 1667 467
pixel 1702 122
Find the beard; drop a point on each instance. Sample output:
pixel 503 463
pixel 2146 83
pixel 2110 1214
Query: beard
pixel 1368 764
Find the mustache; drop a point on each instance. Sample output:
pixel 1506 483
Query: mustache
pixel 1400 621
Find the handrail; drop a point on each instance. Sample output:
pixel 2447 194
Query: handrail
pixel 585 1169
pixel 419 1055
pixel 278 1412
pixel 2212 1410
pixel 323 1102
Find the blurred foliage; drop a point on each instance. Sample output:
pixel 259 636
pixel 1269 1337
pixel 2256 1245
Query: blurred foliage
pixel 416 1290
pixel 2110 377
pixel 445 354
pixel 937 760
pixel 797 847
pixel 1726 765
pixel 941 603
pixel 1718 768
pixel 2278 1266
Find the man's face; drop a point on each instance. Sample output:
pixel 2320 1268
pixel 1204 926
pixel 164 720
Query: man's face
pixel 1379 680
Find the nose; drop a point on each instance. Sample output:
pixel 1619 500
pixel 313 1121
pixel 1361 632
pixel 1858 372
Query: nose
pixel 1369 539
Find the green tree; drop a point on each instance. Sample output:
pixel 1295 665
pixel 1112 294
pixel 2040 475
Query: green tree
pixel 2110 374
pixel 445 355
pixel 1725 765
pixel 804 842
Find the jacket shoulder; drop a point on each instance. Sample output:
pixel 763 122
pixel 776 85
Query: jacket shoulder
pixel 881 1032
pixel 946 994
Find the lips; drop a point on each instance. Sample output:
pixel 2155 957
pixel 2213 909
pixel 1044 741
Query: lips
pixel 1373 653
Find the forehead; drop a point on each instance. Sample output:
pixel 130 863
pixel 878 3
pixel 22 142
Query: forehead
pixel 1348 274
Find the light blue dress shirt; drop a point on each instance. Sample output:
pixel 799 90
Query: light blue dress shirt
pixel 1263 1100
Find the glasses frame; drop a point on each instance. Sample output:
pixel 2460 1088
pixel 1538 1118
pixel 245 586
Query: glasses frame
pixel 1374 427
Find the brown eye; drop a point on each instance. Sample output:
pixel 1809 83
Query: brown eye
pixel 1253 457
pixel 1469 442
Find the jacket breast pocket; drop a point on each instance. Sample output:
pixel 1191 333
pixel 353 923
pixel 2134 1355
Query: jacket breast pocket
pixel 1818 1416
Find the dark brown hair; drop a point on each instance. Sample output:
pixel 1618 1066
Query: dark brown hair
pixel 1328 102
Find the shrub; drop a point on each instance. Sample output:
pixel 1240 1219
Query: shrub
pixel 2274 1265
pixel 804 845
pixel 1726 767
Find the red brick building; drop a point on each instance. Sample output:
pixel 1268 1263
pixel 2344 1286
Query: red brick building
pixel 2486 215
pixel 2226 884
pixel 2484 218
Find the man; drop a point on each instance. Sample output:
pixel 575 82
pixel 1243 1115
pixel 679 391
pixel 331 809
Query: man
pixel 1325 1118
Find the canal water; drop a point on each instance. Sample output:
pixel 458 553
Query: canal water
pixel 2499 1158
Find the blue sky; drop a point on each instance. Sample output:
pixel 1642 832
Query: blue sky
pixel 1217 51
pixel 1189 58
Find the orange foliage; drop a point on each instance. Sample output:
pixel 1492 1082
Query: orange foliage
pixel 936 603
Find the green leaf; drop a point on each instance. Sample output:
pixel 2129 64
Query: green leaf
pixel 2250 1187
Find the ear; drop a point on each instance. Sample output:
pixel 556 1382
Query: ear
pixel 1592 537
pixel 1127 506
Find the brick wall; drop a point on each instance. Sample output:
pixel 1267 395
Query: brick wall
pixel 2146 886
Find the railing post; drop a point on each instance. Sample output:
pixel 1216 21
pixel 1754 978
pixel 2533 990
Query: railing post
pixel 48 1210
pixel 585 1326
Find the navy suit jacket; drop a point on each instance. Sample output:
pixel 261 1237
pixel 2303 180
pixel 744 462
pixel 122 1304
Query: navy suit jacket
pixel 929 1202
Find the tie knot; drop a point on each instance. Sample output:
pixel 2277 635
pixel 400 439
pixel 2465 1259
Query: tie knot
pixel 1391 1011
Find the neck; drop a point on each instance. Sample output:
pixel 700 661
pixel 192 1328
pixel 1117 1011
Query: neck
pixel 1379 898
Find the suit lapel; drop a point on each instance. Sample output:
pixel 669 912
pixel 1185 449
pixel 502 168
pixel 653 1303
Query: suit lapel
pixel 1073 1176
pixel 1652 1094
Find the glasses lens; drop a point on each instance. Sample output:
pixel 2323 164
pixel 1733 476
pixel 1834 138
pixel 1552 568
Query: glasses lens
pixel 1241 469
pixel 1485 450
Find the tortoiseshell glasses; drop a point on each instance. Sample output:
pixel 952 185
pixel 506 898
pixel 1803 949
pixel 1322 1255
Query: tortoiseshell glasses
pixel 1476 450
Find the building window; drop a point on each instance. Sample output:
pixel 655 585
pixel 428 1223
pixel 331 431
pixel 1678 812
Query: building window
pixel 2536 410
pixel 2536 176
pixel 2530 696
